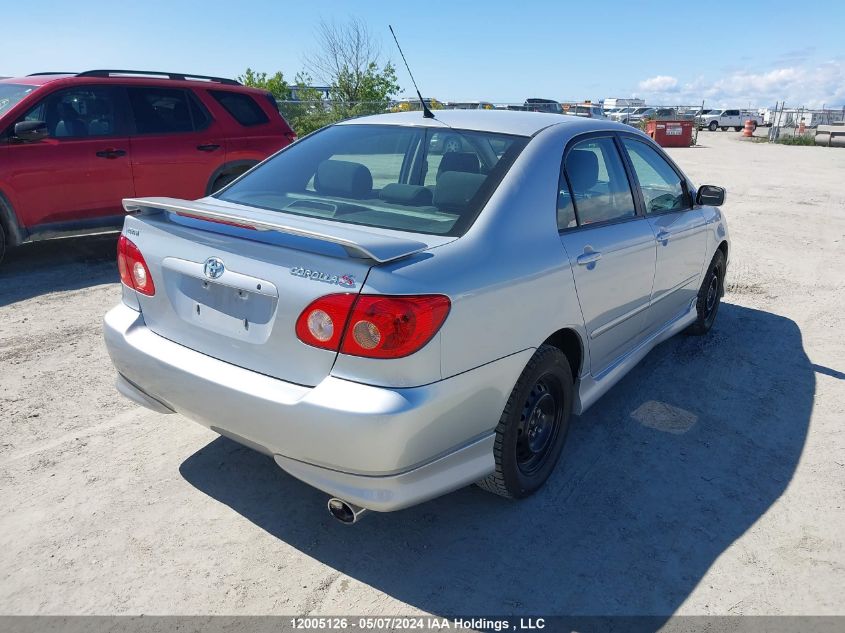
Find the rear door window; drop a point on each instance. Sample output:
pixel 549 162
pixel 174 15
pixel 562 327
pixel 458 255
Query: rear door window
pixel 165 111
pixel 242 107
pixel 593 186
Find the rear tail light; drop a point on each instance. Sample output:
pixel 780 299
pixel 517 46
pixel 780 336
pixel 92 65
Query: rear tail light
pixel 321 323
pixel 373 326
pixel 134 271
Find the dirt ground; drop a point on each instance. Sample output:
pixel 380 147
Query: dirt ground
pixel 711 480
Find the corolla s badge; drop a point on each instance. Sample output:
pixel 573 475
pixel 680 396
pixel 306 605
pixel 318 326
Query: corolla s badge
pixel 213 267
pixel 347 281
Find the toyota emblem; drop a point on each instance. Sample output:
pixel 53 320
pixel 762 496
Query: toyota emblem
pixel 213 267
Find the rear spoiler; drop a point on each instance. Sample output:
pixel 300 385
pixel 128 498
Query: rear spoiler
pixel 358 241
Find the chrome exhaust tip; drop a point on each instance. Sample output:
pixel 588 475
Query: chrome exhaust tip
pixel 344 511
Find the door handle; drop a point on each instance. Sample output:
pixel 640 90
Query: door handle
pixel 663 235
pixel 111 153
pixel 208 147
pixel 588 258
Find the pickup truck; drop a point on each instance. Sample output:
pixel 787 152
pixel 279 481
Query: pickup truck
pixel 725 119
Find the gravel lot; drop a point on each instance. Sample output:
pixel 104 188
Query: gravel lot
pixel 711 480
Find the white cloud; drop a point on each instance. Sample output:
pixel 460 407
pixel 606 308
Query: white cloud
pixel 800 85
pixel 660 83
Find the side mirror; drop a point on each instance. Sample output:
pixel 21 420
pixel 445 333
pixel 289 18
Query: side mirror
pixel 710 196
pixel 31 131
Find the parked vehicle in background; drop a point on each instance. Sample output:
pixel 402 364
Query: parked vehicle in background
pixel 543 105
pixel 725 119
pixel 72 146
pixel 638 114
pixel 356 337
pixel 470 105
pixel 586 110
pixel 621 114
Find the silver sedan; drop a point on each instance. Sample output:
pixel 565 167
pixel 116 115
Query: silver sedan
pixel 392 317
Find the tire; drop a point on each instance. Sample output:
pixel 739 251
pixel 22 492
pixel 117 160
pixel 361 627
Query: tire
pixel 713 126
pixel 222 181
pixel 533 427
pixel 754 126
pixel 709 296
pixel 451 144
pixel 724 129
pixel 737 128
pixel 3 242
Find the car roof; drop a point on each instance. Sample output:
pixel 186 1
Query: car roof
pixel 519 123
pixel 140 79
pixel 33 80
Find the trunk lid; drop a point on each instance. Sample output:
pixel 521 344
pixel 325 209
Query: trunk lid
pixel 231 280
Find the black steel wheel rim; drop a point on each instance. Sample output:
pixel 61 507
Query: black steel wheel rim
pixel 539 424
pixel 711 299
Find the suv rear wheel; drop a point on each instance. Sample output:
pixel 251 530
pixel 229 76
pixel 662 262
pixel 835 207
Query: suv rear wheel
pixel 533 427
pixel 2 242
pixel 228 176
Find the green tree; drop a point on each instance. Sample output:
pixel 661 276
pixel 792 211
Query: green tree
pixel 274 84
pixel 348 60
pixel 309 111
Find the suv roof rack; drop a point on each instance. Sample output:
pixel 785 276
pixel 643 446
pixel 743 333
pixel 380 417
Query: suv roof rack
pixel 51 72
pixel 155 73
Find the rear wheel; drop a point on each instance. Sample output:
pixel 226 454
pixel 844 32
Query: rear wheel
pixel 228 176
pixel 709 295
pixel 2 242
pixel 725 129
pixel 223 180
pixel 737 128
pixel 533 427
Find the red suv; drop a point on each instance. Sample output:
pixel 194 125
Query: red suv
pixel 73 145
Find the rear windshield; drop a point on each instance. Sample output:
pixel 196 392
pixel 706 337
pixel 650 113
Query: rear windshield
pixel 10 94
pixel 424 180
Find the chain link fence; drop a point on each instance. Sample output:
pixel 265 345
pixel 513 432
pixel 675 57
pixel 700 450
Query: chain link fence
pixel 782 120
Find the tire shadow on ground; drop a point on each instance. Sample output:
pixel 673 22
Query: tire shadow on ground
pixel 657 479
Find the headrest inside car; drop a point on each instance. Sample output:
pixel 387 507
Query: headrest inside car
pixel 455 189
pixel 414 195
pixel 582 167
pixel 458 161
pixel 344 179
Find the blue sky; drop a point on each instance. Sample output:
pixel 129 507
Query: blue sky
pixel 667 52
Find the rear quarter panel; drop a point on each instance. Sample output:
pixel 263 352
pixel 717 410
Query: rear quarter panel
pixel 254 142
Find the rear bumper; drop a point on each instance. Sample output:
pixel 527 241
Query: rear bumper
pixel 380 448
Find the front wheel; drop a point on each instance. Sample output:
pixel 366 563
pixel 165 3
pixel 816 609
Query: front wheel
pixel 713 125
pixel 533 427
pixel 725 129
pixel 709 296
pixel 737 128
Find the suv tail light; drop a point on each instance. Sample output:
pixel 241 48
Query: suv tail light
pixel 373 326
pixel 134 271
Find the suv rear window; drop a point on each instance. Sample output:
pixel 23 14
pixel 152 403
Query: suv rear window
pixel 242 107
pixel 423 180
pixel 165 111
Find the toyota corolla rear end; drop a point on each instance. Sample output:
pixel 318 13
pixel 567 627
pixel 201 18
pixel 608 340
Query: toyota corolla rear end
pixel 264 313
